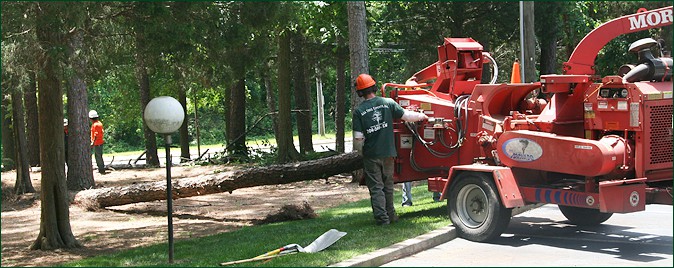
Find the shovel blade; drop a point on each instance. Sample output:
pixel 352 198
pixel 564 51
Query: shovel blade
pixel 325 240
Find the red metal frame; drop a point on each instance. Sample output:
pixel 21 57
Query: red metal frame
pixel 458 69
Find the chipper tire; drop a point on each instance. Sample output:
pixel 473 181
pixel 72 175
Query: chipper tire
pixel 475 208
pixel 584 216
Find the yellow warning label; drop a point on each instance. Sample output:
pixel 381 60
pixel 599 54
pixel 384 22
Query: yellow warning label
pixel 611 125
pixel 653 96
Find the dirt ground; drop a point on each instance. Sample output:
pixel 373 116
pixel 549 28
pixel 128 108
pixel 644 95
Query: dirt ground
pixel 123 227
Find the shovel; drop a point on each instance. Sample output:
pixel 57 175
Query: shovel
pixel 325 240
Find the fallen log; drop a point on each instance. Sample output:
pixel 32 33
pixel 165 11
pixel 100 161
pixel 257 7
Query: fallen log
pixel 222 182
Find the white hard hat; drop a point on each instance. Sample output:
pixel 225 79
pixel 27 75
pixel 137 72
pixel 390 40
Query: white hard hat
pixel 93 114
pixel 65 122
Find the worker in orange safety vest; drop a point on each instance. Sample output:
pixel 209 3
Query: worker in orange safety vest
pixel 97 140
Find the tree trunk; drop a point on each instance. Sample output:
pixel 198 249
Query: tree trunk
pixel 55 231
pixel 548 36
pixel 151 157
pixel 358 55
pixel 358 46
pixel 30 105
pixel 271 96
pixel 237 107
pixel 22 184
pixel 340 98
pixel 459 16
pixel 80 173
pixel 529 48
pixel 184 133
pixel 8 148
pixel 302 94
pixel 286 148
pixel 227 96
pixel 221 182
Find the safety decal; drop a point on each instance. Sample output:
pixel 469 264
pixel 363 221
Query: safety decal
pixel 406 141
pixel 634 114
pixel 587 106
pixel 429 133
pixel 602 105
pixel 622 106
pixel 634 198
pixel 522 150
pixel 589 111
pixel 488 125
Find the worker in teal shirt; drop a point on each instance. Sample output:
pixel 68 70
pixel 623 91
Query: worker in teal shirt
pixel 373 137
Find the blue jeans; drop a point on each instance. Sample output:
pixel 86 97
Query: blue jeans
pixel 436 196
pixel 407 193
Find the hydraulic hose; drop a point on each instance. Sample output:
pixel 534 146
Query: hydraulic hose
pixel 494 65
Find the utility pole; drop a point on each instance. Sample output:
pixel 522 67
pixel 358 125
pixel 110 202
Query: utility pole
pixel 320 104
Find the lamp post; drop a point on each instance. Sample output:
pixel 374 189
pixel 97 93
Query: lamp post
pixel 165 115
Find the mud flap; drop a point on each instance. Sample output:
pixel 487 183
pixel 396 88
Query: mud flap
pixel 622 196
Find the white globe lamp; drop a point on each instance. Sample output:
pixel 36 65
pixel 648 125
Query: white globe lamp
pixel 164 115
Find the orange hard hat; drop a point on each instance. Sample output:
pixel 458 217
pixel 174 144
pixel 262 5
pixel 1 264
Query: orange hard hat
pixel 364 81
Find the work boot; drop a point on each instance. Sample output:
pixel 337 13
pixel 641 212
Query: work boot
pixel 393 218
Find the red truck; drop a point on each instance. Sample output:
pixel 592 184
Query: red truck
pixel 592 145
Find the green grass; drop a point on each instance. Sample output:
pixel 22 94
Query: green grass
pixel 355 218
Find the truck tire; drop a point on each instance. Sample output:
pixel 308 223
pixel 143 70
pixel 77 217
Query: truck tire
pixel 584 216
pixel 475 208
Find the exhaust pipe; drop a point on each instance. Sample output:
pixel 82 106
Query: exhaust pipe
pixel 650 68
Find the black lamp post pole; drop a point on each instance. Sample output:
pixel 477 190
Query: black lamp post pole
pixel 169 198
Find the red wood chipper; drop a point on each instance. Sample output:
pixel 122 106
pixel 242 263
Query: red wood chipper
pixel 592 145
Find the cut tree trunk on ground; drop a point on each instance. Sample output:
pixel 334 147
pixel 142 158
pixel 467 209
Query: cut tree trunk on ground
pixel 217 183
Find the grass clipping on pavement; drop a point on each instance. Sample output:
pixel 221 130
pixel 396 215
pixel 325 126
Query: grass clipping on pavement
pixel 363 236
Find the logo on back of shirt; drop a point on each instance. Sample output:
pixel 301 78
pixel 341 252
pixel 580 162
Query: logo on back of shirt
pixel 377 116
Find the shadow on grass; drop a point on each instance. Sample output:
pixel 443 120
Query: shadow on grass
pixel 182 216
pixel 440 211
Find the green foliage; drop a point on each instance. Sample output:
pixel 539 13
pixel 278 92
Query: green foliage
pixel 262 156
pixel 354 218
pixel 194 46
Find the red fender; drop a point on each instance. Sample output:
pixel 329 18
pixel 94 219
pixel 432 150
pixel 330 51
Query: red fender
pixel 504 179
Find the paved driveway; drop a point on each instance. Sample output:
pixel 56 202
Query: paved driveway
pixel 542 237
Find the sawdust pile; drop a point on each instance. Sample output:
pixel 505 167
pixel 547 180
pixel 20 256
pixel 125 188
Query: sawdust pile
pixel 290 213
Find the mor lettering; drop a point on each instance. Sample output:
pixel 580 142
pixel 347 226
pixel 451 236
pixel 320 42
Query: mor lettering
pixel 650 19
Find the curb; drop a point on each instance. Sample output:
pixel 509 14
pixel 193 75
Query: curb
pixel 412 246
pixel 402 249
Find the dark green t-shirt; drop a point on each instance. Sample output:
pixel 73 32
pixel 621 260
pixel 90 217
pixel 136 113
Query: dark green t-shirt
pixel 374 118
